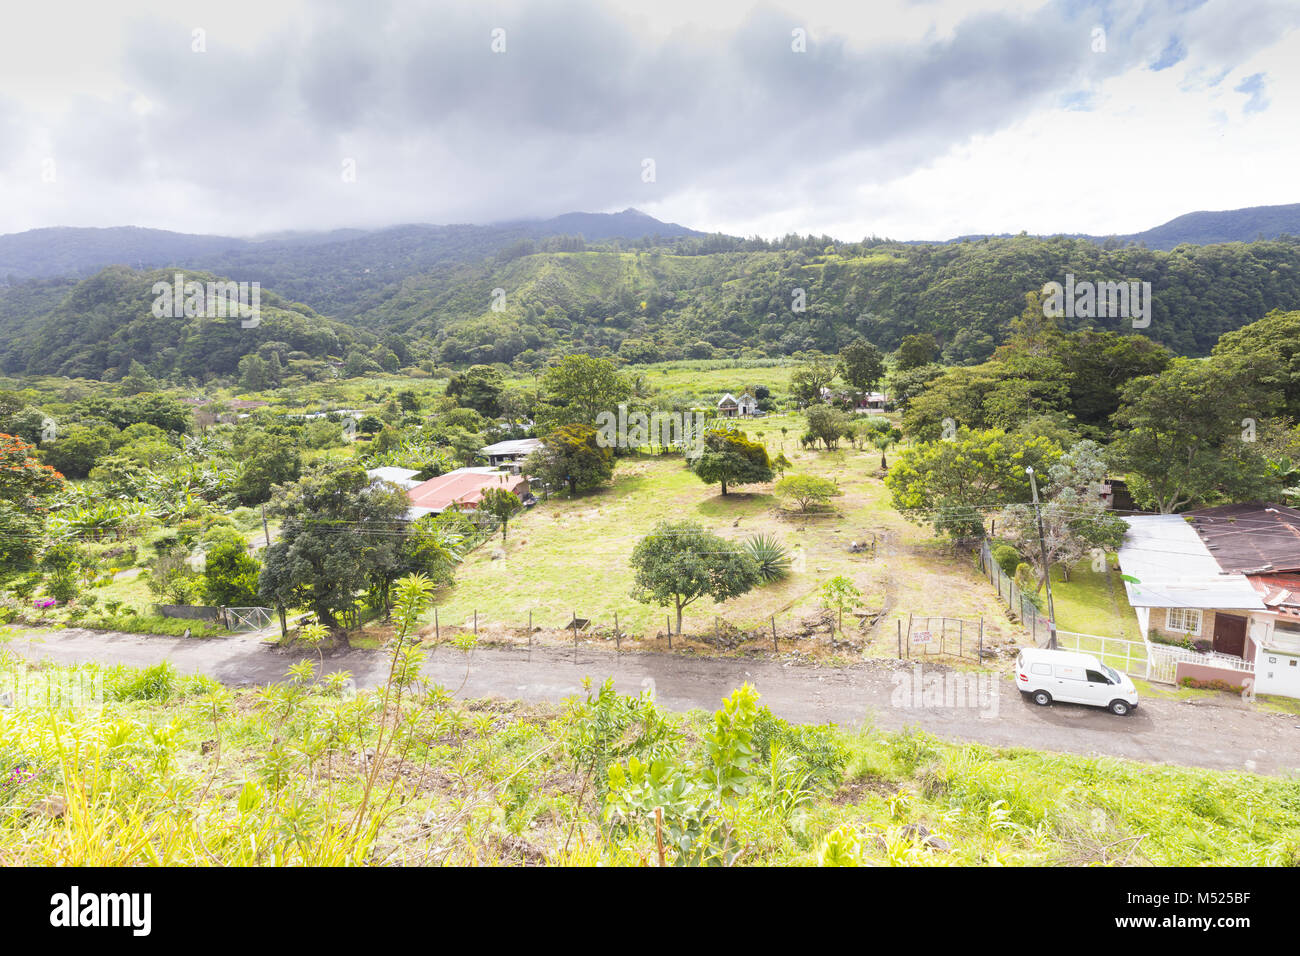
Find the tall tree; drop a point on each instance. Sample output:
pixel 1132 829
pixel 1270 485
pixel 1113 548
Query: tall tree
pixel 579 388
pixel 951 485
pixel 340 536
pixel 861 365
pixel 572 455
pixel 1185 436
pixel 729 457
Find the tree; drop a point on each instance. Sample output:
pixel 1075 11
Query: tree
pixel 861 365
pixel 728 457
pixel 78 449
pixel 262 462
pixel 1185 435
pixel 229 577
pixel 502 505
pixel 915 351
pixel 828 425
pixel 808 380
pixel 679 562
pixel 340 536
pixel 839 593
pixel 807 491
pixel 579 388
pixel 479 388
pixel 1074 518
pixel 572 456
pixel 26 486
pixel 951 484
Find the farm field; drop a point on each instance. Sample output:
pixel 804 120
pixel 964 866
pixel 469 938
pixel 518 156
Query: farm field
pixel 570 556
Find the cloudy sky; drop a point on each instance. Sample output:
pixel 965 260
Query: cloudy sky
pixel 913 119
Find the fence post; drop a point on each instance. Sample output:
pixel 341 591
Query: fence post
pixel 617 636
pixel 776 648
pixel 900 638
pixel 437 631
pixel 530 635
pixel 575 637
pixel 981 657
pixel 669 619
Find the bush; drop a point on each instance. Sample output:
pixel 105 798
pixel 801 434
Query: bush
pixel 772 557
pixel 821 751
pixel 158 682
pixel 1007 558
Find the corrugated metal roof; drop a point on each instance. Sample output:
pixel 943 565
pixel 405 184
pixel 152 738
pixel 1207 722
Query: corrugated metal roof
pixel 1173 568
pixel 1251 537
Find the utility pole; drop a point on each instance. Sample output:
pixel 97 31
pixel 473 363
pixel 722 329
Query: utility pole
pixel 1047 570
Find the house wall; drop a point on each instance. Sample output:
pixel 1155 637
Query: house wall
pixel 1159 619
pixel 1208 672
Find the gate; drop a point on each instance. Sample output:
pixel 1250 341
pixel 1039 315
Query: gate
pixel 247 618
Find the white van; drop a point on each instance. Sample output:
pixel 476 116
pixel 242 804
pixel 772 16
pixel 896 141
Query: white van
pixel 1074 678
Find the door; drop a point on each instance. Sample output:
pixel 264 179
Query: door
pixel 1230 634
pixel 1070 685
pixel 1099 688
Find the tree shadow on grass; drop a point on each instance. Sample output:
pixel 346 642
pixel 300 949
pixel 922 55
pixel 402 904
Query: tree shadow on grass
pixel 735 504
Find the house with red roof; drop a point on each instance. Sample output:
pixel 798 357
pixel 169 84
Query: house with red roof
pixel 462 488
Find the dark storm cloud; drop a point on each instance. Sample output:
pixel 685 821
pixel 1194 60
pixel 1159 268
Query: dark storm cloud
pixel 443 129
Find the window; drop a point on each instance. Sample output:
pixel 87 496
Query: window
pixel 1185 620
pixel 1097 677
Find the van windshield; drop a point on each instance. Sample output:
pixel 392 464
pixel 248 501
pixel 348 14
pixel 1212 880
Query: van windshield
pixel 1112 674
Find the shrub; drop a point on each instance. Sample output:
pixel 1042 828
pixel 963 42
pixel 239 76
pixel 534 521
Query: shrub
pixel 1007 558
pixel 158 682
pixel 821 751
pixel 772 557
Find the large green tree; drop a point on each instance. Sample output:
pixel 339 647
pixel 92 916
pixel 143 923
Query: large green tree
pixel 728 457
pixel 952 485
pixel 861 365
pixel 579 388
pixel 1186 436
pixel 340 536
pixel 26 487
pixel 572 456
pixel 679 562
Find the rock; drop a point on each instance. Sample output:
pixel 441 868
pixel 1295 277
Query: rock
pixel 207 746
pixel 52 807
pixel 498 555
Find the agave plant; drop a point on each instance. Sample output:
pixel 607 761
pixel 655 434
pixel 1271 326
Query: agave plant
pixel 772 556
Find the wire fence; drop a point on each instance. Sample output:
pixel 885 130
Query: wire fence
pixel 1038 624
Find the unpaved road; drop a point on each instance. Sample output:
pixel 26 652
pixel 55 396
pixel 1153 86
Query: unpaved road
pixel 1225 734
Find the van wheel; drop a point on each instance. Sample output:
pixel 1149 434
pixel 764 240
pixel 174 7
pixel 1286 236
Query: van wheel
pixel 1042 698
pixel 1119 708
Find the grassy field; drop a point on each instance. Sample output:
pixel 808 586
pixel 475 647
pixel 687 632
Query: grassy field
pixel 181 771
pixel 571 556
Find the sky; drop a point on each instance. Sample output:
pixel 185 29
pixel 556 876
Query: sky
pixel 907 119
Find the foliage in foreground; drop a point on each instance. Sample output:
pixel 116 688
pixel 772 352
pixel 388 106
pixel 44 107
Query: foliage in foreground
pixel 180 770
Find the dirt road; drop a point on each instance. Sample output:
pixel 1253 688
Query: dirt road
pixel 1224 734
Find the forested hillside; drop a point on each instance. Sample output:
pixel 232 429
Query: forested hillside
pixel 650 300
pixel 98 327
pixel 661 304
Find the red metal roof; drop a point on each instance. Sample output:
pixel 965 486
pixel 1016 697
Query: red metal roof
pixel 464 488
pixel 1281 592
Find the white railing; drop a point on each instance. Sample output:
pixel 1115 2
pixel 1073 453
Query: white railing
pixel 1128 656
pixel 1164 660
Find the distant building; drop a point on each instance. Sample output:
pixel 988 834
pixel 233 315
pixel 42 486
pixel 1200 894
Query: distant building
pixel 510 454
pixel 402 477
pixel 463 488
pixel 731 407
